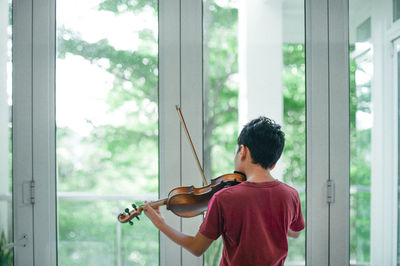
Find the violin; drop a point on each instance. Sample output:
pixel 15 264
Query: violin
pixel 187 201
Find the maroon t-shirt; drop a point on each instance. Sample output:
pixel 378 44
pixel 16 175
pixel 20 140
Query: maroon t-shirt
pixel 253 219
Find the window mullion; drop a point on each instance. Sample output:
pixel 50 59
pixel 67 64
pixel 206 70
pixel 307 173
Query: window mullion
pixel 192 106
pixel 339 132
pixel 43 130
pixel 169 128
pixel 317 108
pixel 22 129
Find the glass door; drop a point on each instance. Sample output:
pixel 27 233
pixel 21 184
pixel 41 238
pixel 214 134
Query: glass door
pixel 374 53
pixel 107 130
pixel 254 64
pixel 361 122
pixel 6 186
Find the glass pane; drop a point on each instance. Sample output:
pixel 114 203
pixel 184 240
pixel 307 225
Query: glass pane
pixel 360 171
pixel 396 10
pixel 361 73
pixel 6 211
pixel 107 129
pixel 373 141
pixel 364 31
pixel 251 71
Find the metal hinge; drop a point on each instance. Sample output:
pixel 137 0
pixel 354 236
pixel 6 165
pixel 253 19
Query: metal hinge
pixel 330 191
pixel 28 192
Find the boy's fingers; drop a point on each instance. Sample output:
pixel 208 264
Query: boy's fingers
pixel 150 211
pixel 147 206
pixel 157 209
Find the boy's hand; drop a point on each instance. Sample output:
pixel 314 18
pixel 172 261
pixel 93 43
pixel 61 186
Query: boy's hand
pixel 154 215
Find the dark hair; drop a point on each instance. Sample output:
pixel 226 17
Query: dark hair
pixel 264 139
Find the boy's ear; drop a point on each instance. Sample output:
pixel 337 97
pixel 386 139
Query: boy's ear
pixel 242 150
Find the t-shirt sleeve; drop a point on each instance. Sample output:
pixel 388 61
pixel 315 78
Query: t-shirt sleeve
pixel 212 226
pixel 298 220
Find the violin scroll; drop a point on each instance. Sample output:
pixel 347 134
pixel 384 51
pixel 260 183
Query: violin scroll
pixel 129 215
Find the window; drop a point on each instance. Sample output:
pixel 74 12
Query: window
pixel 373 131
pixel 361 125
pixel 396 10
pixel 6 186
pixel 107 130
pixel 106 79
pixel 252 71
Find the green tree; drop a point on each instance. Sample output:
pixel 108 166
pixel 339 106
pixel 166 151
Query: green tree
pixel 360 167
pixel 6 256
pixel 220 89
pixel 112 158
pixel 112 149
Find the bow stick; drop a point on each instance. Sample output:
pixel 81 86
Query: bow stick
pixel 178 109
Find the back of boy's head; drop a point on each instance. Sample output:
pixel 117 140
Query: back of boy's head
pixel 264 139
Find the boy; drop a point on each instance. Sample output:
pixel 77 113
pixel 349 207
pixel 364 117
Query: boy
pixel 254 217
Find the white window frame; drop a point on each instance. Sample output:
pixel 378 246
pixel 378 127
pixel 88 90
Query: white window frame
pixel 339 131
pixel 384 33
pixel 22 129
pixel 392 39
pixel 34 175
pixel 180 83
pixel 395 160
pixel 328 157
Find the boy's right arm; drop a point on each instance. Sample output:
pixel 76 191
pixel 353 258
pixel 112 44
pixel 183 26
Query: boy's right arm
pixel 197 244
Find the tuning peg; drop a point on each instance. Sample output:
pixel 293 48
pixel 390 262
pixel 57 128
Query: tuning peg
pixel 137 217
pixel 130 222
pixel 134 206
pixel 127 210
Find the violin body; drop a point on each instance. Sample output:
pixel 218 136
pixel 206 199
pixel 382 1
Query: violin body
pixel 188 201
pixel 191 201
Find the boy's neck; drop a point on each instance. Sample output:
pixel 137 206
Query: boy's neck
pixel 258 174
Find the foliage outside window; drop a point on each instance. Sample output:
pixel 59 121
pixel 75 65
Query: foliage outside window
pixel 360 153
pixel 116 153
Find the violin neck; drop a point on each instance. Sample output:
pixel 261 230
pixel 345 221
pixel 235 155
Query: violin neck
pixel 159 202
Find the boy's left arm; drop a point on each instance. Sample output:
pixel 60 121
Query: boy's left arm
pixel 197 245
